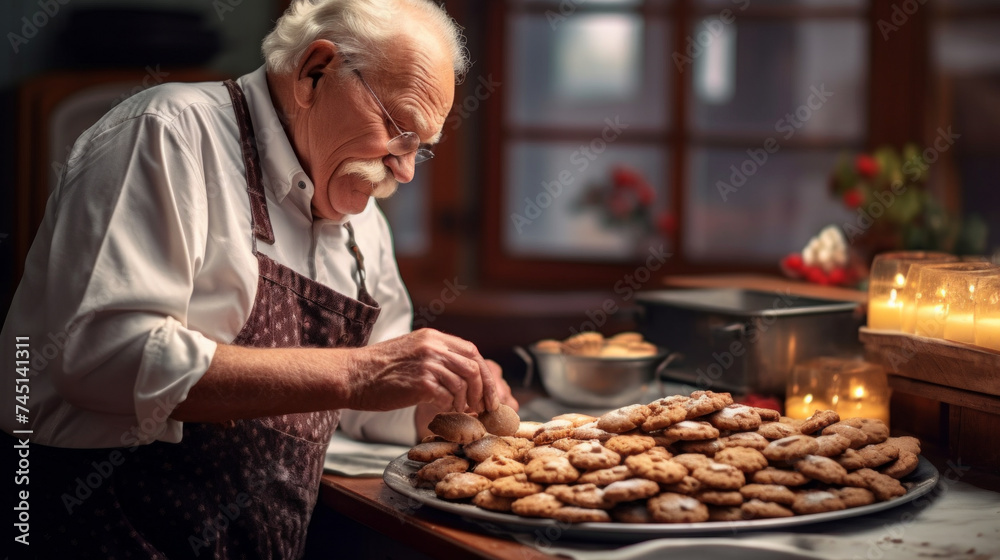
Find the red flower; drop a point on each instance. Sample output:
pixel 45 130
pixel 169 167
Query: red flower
pixel 838 277
pixel 623 176
pixel 854 198
pixel 667 223
pixel 761 401
pixel 815 275
pixel 866 165
pixel 793 262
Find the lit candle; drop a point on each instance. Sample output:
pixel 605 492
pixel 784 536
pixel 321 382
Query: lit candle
pixel 960 327
pixel 804 406
pixel 930 320
pixel 885 314
pixel 859 403
pixel 988 332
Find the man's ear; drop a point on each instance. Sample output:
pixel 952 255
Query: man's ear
pixel 317 64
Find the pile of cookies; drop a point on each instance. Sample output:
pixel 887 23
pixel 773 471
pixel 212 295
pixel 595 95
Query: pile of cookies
pixel 589 343
pixel 678 459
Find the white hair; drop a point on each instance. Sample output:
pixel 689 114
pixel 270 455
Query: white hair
pixel 361 29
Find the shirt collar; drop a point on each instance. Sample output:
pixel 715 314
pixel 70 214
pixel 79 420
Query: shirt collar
pixel 283 174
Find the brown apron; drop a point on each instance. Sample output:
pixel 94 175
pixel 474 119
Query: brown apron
pixel 245 489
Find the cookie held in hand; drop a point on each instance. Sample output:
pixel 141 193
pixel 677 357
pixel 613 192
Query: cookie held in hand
pixel 501 422
pixel 457 427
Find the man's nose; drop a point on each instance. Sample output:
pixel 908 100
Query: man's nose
pixel 402 167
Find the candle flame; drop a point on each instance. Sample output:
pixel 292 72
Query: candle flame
pixel 900 279
pixel 859 392
pixel 808 398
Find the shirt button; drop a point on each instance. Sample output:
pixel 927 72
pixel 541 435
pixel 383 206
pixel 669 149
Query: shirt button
pixel 302 184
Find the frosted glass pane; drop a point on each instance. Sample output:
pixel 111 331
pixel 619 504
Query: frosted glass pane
pixel 406 211
pixel 782 204
pixel 775 77
pixel 538 224
pixel 585 68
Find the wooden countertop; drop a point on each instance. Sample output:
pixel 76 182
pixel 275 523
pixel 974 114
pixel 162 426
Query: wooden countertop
pixel 766 284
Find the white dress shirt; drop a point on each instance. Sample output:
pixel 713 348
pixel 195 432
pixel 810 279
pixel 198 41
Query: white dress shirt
pixel 143 264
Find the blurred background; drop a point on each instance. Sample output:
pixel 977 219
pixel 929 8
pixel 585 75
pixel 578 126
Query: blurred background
pixel 596 147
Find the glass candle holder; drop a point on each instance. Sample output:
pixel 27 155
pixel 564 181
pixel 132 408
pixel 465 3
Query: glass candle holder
pixel 887 285
pixel 810 387
pixel 959 323
pixel 987 311
pixel 862 391
pixel 937 286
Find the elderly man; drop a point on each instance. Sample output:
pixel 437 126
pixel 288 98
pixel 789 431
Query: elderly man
pixel 212 282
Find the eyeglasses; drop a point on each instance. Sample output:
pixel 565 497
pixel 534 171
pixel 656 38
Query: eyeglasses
pixel 407 142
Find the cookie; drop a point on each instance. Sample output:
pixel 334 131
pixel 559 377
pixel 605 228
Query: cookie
pixel 551 431
pixel 708 447
pixel 503 421
pixel 784 477
pixel 854 497
pixel 427 452
pixel 737 417
pixel 576 418
pixel 630 444
pixel 768 493
pixel 819 420
pixel 817 501
pixel 566 444
pixel 457 427
pixel 720 476
pixel 906 443
pixel 753 440
pixel 635 512
pixel 631 489
pixel 777 430
pixel 857 437
pixel 691 461
pixel 527 429
pixel 744 458
pixel 656 468
pixel 498 467
pixel 624 338
pixel 641 349
pixel 549 346
pixel 540 451
pixel 706 402
pixel 536 505
pixel 820 468
pixel 665 412
pixel 489 446
pixel 759 509
pixel 572 514
pixel 590 431
pixel 719 497
pixel 902 466
pixel 516 486
pixel 488 500
pixel 551 470
pixel 875 429
pixel 580 495
pixel 790 448
pixel 676 508
pixel 461 485
pixel 688 485
pixel 439 468
pixel 884 487
pixel 688 430
pixel 592 455
pixel 521 446
pixel 878 454
pixel 722 513
pixel 767 414
pixel 624 419
pixel 584 344
pixel 832 445
pixel 850 459
pixel 604 477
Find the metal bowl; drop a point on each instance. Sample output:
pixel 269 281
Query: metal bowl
pixel 594 382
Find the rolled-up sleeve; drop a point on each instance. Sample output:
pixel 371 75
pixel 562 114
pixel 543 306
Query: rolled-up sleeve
pixel 128 236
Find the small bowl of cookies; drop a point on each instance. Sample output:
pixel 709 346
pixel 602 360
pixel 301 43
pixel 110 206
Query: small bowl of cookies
pixel 591 370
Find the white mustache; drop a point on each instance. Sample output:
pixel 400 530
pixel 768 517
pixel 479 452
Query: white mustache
pixel 374 172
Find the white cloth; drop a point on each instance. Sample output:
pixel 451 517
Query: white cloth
pixel 143 264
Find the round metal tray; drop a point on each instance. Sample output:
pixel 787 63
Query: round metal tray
pixel 400 473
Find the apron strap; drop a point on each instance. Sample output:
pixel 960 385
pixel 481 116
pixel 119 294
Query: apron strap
pixel 259 219
pixel 353 246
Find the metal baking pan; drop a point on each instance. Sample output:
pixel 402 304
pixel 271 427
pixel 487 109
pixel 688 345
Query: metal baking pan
pixel 745 341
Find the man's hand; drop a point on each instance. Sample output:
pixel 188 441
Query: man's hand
pixel 423 367
pixel 426 412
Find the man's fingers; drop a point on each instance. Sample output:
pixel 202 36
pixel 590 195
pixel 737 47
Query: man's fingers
pixel 491 400
pixel 455 385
